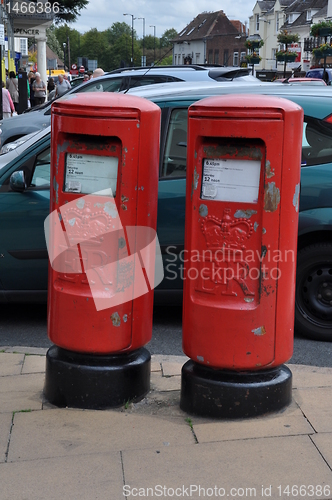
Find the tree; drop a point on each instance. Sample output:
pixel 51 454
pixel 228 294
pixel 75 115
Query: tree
pixel 167 36
pixel 69 10
pixel 53 42
pixel 62 33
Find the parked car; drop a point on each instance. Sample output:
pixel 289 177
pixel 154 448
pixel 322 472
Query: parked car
pixel 319 73
pixel 121 80
pixel 301 81
pixel 23 265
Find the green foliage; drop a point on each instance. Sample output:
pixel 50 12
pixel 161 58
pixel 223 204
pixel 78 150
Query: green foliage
pixel 69 10
pixel 315 28
pixel 62 33
pixel 285 37
pixel 149 42
pixel 166 61
pixel 167 36
pixel 53 42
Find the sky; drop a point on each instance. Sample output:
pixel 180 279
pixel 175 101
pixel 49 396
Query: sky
pixel 163 14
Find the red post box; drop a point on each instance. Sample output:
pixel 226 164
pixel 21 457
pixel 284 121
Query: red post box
pixel 242 200
pixel 102 242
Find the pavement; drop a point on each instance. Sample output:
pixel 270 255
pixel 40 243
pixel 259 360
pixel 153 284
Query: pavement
pixel 152 449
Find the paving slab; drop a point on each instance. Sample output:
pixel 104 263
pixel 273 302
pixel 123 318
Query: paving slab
pixel 55 433
pixel 160 383
pixel 21 392
pixel 311 376
pixel 25 350
pixel 253 463
pixel 316 404
pixel 287 424
pixel 34 364
pixel 10 364
pixel 170 369
pixel 95 476
pixel 5 425
pixel 323 442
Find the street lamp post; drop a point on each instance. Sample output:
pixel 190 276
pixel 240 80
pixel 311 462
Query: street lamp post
pixel 64 55
pixel 154 47
pixel 143 18
pixel 132 37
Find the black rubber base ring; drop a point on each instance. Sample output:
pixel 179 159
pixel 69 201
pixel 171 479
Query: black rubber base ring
pixel 225 394
pixel 96 382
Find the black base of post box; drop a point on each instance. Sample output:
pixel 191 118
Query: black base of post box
pixel 226 394
pixel 96 382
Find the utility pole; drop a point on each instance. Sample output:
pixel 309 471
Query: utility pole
pixel 154 48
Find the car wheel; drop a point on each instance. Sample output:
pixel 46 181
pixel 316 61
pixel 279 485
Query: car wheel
pixel 313 298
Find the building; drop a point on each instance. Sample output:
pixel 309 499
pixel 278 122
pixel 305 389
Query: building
pixel 210 38
pixel 296 16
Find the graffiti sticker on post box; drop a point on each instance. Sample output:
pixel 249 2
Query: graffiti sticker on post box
pixel 231 180
pixel 90 173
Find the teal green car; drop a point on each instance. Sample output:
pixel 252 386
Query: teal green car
pixel 24 205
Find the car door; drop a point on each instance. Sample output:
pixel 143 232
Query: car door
pixel 24 261
pixel 171 195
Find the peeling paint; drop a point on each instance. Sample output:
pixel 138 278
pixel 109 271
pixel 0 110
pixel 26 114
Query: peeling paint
pixel 195 154
pixel 269 172
pixel 200 358
pixel 196 177
pixel 116 320
pixel 124 199
pixel 80 203
pixel 249 299
pixel 271 197
pixel 259 331
pixel 124 207
pixel 137 125
pixel 235 151
pixel 71 222
pixel 263 230
pixel 264 251
pixel 256 226
pixel 244 214
pixel 125 150
pixel 296 197
pixel 203 210
pixel 56 189
pixel 110 209
pixel 125 318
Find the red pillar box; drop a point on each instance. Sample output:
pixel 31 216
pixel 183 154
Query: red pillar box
pixel 243 184
pixel 102 242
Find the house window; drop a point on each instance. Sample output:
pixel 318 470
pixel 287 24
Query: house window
pixel 216 56
pixel 24 46
pixel 243 57
pixel 277 22
pixel 235 59
pixel 257 22
pixel 210 56
pixel 226 57
pixel 308 15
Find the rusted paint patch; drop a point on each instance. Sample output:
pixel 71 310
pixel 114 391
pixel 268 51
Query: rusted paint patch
pixel 264 251
pixel 122 243
pixel 271 197
pixel 249 299
pixel 196 177
pixel 256 226
pixel 203 210
pixel 124 207
pixel 259 331
pixel 296 198
pixel 200 358
pixel 124 199
pixel 56 189
pixel 244 214
pixel 269 172
pixel 116 320
pixel 125 318
pixel 110 209
pixel 263 230
pixel 235 151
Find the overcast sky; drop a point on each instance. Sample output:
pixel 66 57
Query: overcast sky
pixel 164 14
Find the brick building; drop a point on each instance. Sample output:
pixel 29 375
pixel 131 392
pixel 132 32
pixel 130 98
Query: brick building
pixel 210 38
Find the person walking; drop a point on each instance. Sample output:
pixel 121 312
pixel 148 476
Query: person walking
pixel 31 79
pixel 62 86
pixel 39 88
pixel 7 103
pixel 12 87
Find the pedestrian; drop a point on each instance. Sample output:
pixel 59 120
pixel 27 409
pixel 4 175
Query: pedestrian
pixel 39 88
pixel 7 103
pixel 12 87
pixel 86 77
pixel 62 86
pixel 31 79
pixel 50 84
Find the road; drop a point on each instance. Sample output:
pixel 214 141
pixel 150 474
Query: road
pixel 26 325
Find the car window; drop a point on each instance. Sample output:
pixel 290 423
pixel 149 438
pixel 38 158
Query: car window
pixel 316 142
pixel 139 81
pixel 111 85
pixel 41 174
pixel 175 156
